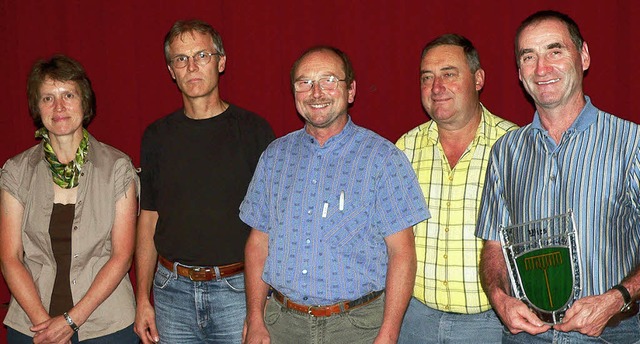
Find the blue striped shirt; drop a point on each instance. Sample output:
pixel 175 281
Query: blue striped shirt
pixel 327 210
pixel 594 170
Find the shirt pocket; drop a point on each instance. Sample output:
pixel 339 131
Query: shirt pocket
pixel 347 227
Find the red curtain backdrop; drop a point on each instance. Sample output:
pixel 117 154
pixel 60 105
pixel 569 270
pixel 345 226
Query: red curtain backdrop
pixel 120 43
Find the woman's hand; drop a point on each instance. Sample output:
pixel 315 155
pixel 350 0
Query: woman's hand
pixel 53 331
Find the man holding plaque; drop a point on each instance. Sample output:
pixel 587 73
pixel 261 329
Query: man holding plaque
pixel 573 158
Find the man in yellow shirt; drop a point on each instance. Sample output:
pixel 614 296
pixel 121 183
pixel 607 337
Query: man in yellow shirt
pixel 449 154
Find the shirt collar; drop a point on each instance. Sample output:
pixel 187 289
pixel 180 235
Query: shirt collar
pixel 587 116
pixel 481 136
pixel 335 140
pixel 484 132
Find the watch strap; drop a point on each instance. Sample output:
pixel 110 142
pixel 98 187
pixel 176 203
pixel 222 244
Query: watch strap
pixel 625 296
pixel 70 322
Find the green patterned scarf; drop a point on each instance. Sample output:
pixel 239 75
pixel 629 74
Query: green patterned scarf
pixel 66 176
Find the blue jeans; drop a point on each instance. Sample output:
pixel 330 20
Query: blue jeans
pixel 627 332
pixel 198 312
pixel 423 324
pixel 356 326
pixel 124 336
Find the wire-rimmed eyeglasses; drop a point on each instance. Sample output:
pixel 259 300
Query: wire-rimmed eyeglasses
pixel 200 58
pixel 327 83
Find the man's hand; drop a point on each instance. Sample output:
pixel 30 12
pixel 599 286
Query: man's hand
pixel 255 334
pixel 145 325
pixel 382 339
pixel 513 312
pixel 518 317
pixel 589 315
pixel 255 256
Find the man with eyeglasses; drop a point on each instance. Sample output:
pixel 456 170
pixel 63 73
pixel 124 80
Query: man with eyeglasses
pixel 331 208
pixel 450 154
pixel 196 166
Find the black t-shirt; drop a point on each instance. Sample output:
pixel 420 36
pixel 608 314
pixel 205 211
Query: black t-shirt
pixel 195 174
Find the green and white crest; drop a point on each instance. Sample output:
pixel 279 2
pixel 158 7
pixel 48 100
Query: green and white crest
pixel 543 261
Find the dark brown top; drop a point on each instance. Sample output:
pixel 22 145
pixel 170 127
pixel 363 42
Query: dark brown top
pixel 60 232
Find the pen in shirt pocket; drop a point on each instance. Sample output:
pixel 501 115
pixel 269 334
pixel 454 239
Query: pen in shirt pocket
pixel 325 206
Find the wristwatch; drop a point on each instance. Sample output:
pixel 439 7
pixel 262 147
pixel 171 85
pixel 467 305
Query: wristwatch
pixel 625 296
pixel 70 322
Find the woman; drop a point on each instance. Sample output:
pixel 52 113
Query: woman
pixel 67 221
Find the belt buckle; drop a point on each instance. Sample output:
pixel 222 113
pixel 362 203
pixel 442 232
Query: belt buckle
pixel 310 311
pixel 198 274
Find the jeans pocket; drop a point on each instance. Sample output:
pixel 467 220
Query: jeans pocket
pixel 236 283
pixel 272 313
pixel 162 278
pixel 367 317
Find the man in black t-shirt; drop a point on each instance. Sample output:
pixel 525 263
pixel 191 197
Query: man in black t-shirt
pixel 196 166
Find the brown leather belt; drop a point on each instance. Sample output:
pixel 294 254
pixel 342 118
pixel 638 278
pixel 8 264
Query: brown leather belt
pixel 325 311
pixel 202 273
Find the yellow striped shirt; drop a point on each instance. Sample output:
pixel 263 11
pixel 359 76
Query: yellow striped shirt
pixel 448 252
